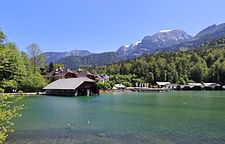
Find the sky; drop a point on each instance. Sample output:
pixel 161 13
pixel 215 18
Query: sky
pixel 101 25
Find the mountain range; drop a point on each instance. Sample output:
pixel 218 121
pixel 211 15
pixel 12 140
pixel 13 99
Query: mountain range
pixel 208 34
pixel 54 56
pixel 149 44
pixel 163 41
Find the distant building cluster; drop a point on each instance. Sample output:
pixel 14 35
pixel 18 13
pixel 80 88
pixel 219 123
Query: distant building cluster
pixel 167 86
pixel 64 82
pixel 190 86
pixel 67 73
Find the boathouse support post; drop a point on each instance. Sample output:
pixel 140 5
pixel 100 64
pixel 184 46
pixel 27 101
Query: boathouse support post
pixel 76 93
pixel 88 92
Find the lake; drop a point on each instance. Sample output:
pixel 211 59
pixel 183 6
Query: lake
pixel 185 117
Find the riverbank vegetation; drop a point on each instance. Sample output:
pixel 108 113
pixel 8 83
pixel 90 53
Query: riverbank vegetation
pixel 16 74
pixel 9 110
pixel 204 64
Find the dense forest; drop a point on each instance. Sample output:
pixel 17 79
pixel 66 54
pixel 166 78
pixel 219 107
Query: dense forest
pixel 204 64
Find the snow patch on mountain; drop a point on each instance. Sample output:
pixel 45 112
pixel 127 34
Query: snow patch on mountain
pixel 165 31
pixel 132 44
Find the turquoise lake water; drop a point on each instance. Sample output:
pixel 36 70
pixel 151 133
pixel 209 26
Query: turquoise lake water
pixel 188 117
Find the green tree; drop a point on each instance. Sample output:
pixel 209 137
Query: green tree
pixel 104 85
pixel 50 67
pixel 36 56
pixel 57 66
pixel 32 82
pixel 221 72
pixel 150 78
pixel 2 36
pixel 12 69
pixel 53 66
pixel 198 72
pixel 209 60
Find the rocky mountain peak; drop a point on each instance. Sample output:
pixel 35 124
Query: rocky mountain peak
pixel 168 35
pixel 164 38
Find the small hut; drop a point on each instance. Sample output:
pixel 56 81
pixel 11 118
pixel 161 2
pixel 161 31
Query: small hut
pixel 173 87
pixel 162 84
pixel 196 86
pixel 72 87
pixel 119 87
pixel 212 86
pixel 185 87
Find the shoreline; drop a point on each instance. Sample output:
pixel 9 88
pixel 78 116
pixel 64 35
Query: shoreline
pixel 110 91
pixel 27 94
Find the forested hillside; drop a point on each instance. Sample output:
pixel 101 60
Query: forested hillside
pixel 54 56
pixel 204 64
pixel 74 62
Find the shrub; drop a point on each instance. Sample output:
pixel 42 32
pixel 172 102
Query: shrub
pixel 1 90
pixel 20 93
pixel 105 85
pixel 9 109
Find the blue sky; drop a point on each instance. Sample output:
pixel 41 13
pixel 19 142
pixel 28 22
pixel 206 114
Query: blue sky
pixel 101 25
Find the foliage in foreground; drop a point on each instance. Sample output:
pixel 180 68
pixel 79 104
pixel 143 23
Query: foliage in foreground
pixel 9 109
pixel 16 70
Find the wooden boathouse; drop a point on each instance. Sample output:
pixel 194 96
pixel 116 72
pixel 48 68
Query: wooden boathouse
pixel 81 86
